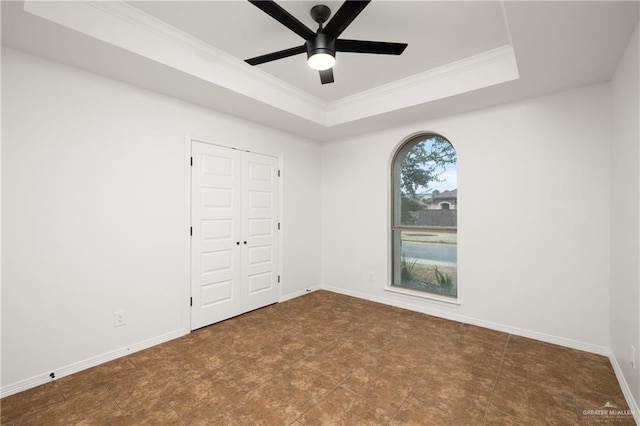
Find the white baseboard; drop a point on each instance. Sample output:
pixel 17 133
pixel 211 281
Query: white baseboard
pixel 587 347
pixel 299 293
pixel 64 371
pixel 44 378
pixel 429 310
pixel 100 359
pixel 626 390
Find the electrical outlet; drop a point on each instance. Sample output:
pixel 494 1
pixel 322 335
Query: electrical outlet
pixel 370 277
pixel 118 319
pixel 634 360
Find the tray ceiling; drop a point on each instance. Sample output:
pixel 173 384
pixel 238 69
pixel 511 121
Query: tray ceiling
pixel 461 55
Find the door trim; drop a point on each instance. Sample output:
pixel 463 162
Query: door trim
pixel 185 313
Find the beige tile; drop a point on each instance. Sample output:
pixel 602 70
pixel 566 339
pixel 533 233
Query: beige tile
pixel 109 372
pixel 146 388
pixel 324 366
pixel 37 399
pixel 376 333
pixel 95 406
pixel 150 357
pixel 531 399
pixel 323 332
pixel 418 344
pixel 381 386
pixel 542 416
pixel 297 346
pixel 406 363
pixel 522 348
pixel 443 392
pixel 415 412
pixel 215 390
pixel 464 402
pixel 342 407
pixel 596 376
pixel 248 372
pixel 315 378
pixel 479 336
pixel 206 415
pixel 332 359
pixel 479 352
pixel 496 417
pixel 273 403
pixel 510 398
pixel 350 354
pixel 203 361
pixel 159 414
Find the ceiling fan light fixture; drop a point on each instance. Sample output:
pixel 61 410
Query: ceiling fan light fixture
pixel 321 61
pixel 321 44
pixel 321 53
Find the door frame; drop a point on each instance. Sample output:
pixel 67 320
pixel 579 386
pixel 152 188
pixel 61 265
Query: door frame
pixel 185 313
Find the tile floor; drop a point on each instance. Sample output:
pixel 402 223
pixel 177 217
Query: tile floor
pixel 329 359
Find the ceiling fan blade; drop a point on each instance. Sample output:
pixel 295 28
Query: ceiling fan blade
pixel 344 16
pixel 272 9
pixel 276 55
pixel 362 46
pixel 326 76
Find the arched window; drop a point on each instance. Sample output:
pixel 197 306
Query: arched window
pixel 424 223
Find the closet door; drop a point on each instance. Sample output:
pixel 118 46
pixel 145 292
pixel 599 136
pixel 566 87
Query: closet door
pixel 216 248
pixel 260 216
pixel 234 241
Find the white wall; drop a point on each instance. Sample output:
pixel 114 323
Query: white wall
pixel 94 216
pixel 625 215
pixel 533 218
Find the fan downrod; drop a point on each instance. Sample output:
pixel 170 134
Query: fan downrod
pixel 320 13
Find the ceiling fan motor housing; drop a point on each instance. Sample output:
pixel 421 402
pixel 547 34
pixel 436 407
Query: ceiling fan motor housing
pixel 321 43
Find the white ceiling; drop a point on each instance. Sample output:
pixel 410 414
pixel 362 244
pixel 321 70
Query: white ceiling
pixel 437 34
pixel 461 55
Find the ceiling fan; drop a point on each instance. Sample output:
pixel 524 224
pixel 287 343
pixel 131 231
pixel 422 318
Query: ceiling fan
pixel 321 46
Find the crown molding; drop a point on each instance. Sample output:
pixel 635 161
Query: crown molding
pixel 129 28
pixel 143 20
pixel 415 81
pixel 489 68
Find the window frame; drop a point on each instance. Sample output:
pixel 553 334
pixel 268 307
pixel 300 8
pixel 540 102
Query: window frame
pixel 394 211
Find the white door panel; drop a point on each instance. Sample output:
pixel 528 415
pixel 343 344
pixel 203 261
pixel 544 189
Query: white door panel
pixel 234 244
pixel 260 216
pixel 215 255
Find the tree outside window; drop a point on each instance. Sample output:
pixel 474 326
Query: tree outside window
pixel 424 227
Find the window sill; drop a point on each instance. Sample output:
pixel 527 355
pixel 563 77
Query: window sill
pixel 423 295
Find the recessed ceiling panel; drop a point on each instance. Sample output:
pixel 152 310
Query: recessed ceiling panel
pixel 461 55
pixel 438 34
